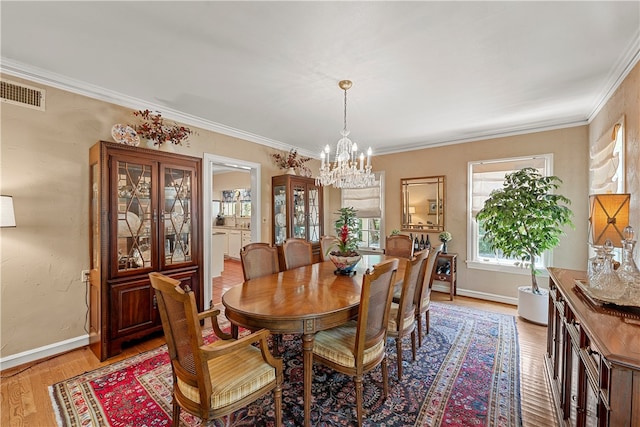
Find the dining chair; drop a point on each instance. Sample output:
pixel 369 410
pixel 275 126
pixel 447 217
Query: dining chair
pixel 423 292
pixel 297 252
pixel 402 316
pixel 259 259
pixel 325 244
pixel 213 380
pixel 399 245
pixel 358 346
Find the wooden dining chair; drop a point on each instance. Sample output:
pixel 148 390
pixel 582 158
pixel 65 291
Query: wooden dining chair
pixel 359 346
pixel 259 259
pixel 297 252
pixel 326 242
pixel 402 317
pixel 399 245
pixel 213 380
pixel 423 292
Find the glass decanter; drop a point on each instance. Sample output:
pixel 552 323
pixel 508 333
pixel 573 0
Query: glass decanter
pixel 628 271
pixel 605 280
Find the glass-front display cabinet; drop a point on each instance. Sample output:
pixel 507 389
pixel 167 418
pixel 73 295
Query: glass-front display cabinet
pixel 144 217
pixel 297 210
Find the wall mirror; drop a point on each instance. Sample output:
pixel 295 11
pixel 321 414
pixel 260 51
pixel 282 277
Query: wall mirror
pixel 423 203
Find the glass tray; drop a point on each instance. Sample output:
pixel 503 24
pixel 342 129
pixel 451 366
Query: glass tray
pixel 599 296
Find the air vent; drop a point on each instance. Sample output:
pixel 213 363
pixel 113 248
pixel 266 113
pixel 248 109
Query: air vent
pixel 23 95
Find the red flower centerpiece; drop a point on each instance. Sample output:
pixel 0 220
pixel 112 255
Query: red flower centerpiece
pixel 345 257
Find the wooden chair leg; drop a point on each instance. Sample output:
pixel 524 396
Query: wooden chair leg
pixel 426 315
pixel 175 422
pixel 385 378
pixel 413 344
pixel 277 398
pixel 419 319
pixel 359 387
pixel 399 352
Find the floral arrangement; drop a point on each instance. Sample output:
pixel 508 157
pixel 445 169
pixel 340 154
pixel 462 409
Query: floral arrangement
pixel 445 236
pixel 292 160
pixel 348 230
pixel 155 128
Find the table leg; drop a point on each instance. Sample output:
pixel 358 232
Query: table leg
pixel 307 361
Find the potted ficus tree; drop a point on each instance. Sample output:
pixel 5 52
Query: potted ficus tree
pixel 523 219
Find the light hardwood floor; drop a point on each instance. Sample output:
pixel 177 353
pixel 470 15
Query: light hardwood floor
pixel 26 402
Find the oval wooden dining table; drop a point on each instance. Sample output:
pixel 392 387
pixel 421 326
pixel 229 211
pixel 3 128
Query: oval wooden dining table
pixel 303 300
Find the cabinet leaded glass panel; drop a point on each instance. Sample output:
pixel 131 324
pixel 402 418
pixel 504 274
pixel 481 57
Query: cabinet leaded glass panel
pixel 177 215
pixel 134 216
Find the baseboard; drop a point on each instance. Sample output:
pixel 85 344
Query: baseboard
pixel 479 295
pixel 43 352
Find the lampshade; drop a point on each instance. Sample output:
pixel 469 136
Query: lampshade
pixel 7 217
pixel 608 216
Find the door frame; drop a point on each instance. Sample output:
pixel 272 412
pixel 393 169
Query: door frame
pixel 255 170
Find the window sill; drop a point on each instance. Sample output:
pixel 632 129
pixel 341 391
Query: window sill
pixel 505 268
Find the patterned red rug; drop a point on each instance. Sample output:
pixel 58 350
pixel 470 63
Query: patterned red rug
pixel 466 374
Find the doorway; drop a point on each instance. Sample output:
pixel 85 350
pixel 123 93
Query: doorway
pixel 212 165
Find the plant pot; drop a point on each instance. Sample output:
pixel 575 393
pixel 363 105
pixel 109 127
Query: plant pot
pixel 533 307
pixel 291 171
pixel 168 147
pixel 345 264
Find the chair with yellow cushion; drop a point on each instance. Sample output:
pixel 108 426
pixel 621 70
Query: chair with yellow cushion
pixel 402 317
pixel 297 253
pixel 359 346
pixel 213 380
pixel 399 245
pixel 259 259
pixel 423 292
pixel 325 244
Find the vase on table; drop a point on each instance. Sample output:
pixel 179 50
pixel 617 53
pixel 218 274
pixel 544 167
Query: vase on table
pixel 291 171
pixel 444 246
pixel 345 263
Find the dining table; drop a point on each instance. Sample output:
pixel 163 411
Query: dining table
pixel 303 300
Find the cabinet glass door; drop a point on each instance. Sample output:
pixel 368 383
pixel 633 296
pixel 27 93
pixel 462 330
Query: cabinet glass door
pixel 299 211
pixel 314 214
pixel 176 214
pixel 134 237
pixel 280 213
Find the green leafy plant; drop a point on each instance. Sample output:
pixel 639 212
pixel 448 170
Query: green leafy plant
pixel 348 230
pixel 523 218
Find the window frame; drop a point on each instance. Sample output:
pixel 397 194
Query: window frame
pixel 474 261
pixel 380 176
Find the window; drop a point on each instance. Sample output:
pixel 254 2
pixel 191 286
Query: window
pixel 484 177
pixel 368 203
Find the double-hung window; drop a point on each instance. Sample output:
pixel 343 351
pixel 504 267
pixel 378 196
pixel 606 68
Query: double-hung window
pixel 484 177
pixel 368 203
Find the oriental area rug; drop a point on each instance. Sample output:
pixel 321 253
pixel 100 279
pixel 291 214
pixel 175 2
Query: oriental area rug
pixel 466 374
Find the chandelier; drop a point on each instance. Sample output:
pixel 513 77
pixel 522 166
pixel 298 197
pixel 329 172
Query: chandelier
pixel 348 169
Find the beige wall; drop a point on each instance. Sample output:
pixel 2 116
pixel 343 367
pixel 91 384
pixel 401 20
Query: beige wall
pixel 625 101
pixel 44 158
pixel 570 151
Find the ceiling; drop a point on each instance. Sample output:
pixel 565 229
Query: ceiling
pixel 424 73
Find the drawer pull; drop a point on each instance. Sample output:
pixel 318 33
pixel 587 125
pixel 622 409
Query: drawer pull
pixel 592 352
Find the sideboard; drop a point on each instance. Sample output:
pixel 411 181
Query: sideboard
pixel 593 357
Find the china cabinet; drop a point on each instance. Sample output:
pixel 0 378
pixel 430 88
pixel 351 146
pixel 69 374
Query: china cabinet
pixel 593 357
pixel 144 216
pixel 297 211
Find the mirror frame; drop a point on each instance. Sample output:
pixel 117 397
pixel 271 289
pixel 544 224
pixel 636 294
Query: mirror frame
pixel 439 214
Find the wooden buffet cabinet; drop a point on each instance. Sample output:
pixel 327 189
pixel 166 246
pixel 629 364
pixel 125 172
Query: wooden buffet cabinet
pixel 593 357
pixel 144 216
